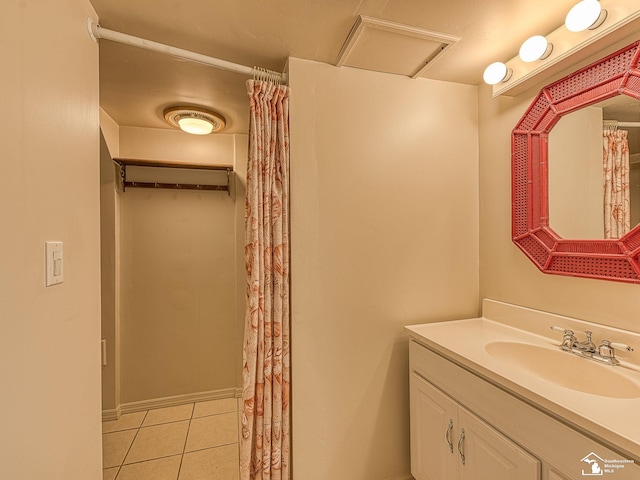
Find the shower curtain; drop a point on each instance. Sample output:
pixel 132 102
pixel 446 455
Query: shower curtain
pixel 264 443
pixel 617 216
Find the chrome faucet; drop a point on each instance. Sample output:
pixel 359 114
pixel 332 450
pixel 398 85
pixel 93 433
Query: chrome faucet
pixel 604 353
pixel 587 346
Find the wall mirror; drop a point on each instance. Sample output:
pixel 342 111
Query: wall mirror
pixel 577 180
pixel 561 185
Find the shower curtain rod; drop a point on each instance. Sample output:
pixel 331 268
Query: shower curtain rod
pixel 96 32
pixel 615 123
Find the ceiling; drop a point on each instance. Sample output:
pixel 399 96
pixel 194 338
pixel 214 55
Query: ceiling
pixel 136 85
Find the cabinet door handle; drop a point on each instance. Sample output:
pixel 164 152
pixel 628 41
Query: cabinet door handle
pixel 461 446
pixel 448 436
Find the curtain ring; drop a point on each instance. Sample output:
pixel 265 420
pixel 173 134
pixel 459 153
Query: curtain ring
pixel 266 75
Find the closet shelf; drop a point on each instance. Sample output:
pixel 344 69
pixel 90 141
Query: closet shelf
pixel 138 173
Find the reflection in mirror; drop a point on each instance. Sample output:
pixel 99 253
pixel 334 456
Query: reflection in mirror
pixel 576 182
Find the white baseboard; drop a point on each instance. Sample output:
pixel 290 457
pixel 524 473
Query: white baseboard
pixel 140 406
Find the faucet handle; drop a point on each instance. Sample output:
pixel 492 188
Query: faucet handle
pixel 621 346
pixel 607 351
pixel 567 333
pixel 568 339
pixel 563 330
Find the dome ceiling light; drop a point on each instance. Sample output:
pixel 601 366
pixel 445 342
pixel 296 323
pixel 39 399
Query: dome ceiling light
pixel 194 120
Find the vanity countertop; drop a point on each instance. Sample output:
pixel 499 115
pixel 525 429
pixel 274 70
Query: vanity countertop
pixel 603 405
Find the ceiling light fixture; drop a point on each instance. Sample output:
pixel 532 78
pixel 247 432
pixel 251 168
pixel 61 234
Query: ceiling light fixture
pixel 535 48
pixel 194 120
pixel 497 72
pixel 587 14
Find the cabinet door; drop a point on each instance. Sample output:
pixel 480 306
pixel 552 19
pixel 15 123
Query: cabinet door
pixel 433 427
pixel 553 475
pixel 490 455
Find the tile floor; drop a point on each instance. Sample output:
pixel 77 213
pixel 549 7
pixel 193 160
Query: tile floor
pixel 188 442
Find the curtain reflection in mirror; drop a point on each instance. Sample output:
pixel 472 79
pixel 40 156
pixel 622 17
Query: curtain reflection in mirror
pixel 617 218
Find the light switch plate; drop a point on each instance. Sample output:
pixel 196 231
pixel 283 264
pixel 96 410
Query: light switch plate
pixel 54 263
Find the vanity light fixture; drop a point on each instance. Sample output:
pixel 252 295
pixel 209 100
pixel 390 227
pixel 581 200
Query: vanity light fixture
pixel 535 48
pixel 194 120
pixel 568 46
pixel 587 14
pixel 497 72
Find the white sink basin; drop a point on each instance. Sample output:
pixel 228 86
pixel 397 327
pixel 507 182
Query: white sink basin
pixel 565 369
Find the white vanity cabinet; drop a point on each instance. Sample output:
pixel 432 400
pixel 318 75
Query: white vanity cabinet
pixel 449 442
pixel 506 437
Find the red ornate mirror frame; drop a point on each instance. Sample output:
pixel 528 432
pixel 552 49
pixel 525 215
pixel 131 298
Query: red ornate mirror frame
pixel 617 259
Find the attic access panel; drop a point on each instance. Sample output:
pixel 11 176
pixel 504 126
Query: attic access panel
pixel 388 47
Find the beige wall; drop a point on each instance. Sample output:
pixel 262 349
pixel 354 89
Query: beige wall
pixel 575 179
pixel 505 273
pixel 384 233
pixel 241 154
pixel 109 226
pixel 175 145
pixel 50 341
pixel 111 132
pixel 179 278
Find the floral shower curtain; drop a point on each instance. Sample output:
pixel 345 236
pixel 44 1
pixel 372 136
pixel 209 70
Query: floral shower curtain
pixel 264 443
pixel 616 183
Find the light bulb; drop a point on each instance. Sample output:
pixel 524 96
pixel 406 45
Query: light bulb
pixel 535 48
pixel 495 73
pixel 584 15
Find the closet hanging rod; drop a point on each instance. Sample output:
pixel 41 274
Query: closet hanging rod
pixel 125 181
pixel 96 32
